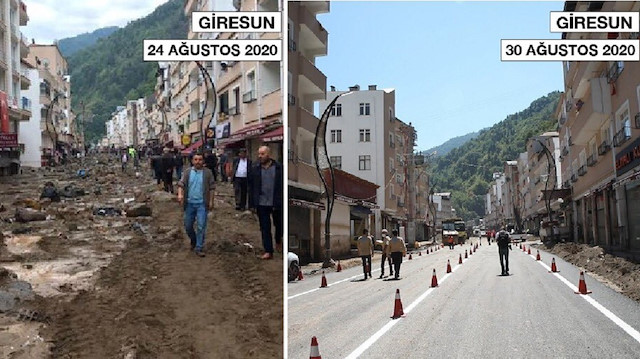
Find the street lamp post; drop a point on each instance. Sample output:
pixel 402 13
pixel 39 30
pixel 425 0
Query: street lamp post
pixel 321 157
pixel 551 165
pixel 214 96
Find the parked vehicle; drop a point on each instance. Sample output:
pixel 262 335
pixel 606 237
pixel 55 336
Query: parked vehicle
pixel 294 266
pixel 449 232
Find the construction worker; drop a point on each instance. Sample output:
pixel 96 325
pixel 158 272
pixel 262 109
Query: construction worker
pixel 398 249
pixel 365 251
pixel 386 255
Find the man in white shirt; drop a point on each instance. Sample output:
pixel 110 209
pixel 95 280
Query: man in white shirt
pixel 241 165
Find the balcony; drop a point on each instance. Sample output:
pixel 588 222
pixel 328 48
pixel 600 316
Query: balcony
pixel 604 148
pixel 311 81
pixel 312 38
pixel 574 178
pixel 316 7
pixel 565 150
pixel 23 14
pixel 582 170
pixel 621 136
pixel 249 96
pixel 24 46
pixel 592 160
pixel 593 113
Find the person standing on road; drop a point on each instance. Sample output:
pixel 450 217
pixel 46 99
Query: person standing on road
pixel 365 251
pixel 241 165
pixel 266 196
pixel 222 162
pixel 155 161
pixel 398 249
pixel 504 245
pixel 167 170
pixel 386 255
pixel 124 161
pixel 195 194
pixel 178 162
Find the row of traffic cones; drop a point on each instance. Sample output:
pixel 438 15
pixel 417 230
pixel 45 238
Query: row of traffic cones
pixel 582 284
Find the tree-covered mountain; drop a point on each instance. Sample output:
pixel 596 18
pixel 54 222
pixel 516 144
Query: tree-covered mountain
pixel 451 144
pixel 467 170
pixel 70 45
pixel 111 72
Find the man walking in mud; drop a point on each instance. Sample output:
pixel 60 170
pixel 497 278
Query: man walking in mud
pixel 195 194
pixel 266 197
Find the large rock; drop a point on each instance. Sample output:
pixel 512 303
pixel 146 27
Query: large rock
pixel 162 196
pixel 29 215
pixel 138 210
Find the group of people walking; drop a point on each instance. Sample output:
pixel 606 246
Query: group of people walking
pixel 258 186
pixel 393 250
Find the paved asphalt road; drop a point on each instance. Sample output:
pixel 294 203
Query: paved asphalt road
pixel 473 313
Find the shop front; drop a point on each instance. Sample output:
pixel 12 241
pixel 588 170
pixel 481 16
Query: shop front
pixel 628 193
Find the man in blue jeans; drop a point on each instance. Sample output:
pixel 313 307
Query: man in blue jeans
pixel 195 193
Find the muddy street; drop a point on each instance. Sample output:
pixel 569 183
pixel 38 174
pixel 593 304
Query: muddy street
pixel 107 272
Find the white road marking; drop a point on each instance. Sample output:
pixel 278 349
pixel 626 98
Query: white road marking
pixel 614 318
pixel 369 342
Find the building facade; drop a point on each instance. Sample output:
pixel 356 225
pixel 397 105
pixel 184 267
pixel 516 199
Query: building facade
pixel 14 108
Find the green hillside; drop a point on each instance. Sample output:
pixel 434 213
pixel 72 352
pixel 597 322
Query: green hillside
pixel 111 72
pixel 451 144
pixel 71 45
pixel 466 171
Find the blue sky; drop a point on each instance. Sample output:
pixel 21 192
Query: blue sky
pixel 443 59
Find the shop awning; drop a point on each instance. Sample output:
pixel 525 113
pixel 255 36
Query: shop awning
pixel 306 204
pixel 192 147
pixel 273 136
pixel 556 193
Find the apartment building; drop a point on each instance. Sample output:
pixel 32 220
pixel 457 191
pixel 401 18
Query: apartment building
pixel 14 108
pixel 249 97
pixel 366 139
pixel 599 139
pixel 58 126
pixel 307 84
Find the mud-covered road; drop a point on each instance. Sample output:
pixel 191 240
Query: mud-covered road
pixel 92 276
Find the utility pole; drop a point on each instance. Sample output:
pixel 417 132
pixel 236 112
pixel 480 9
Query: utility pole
pixel 411 222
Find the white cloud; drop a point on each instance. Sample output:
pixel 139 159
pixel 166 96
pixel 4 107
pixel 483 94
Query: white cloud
pixel 54 19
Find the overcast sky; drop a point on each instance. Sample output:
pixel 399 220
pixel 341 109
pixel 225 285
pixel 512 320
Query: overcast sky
pixel 54 19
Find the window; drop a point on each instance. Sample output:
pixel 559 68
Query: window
pixel 399 178
pixel 365 135
pixel 365 109
pixel 336 110
pixel 336 162
pixel 364 162
pixel 223 99
pixel 336 136
pixel 391 140
pixel 392 166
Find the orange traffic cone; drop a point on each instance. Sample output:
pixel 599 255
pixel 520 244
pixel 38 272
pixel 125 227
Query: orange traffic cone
pixel 524 248
pixel 554 269
pixel 397 307
pixel 520 246
pixel 582 285
pixel 538 256
pixel 339 269
pixel 460 259
pixel 448 266
pixel 410 258
pixel 300 276
pixel 324 281
pixel 471 251
pixel 315 352
pixel 529 250
pixel 434 279
pixel 465 254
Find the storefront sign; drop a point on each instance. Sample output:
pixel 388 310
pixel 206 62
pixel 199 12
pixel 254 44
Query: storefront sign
pixel 8 140
pixel 186 140
pixel 305 204
pixel 628 158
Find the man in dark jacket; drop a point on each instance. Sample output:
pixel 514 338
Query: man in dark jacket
pixel 504 244
pixel 178 162
pixel 222 162
pixel 167 170
pixel 241 166
pixel 266 196
pixel 211 162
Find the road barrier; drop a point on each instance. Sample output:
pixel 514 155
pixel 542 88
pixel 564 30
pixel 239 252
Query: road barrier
pixel 554 269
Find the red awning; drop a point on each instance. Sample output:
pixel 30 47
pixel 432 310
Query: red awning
pixel 273 136
pixel 192 147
